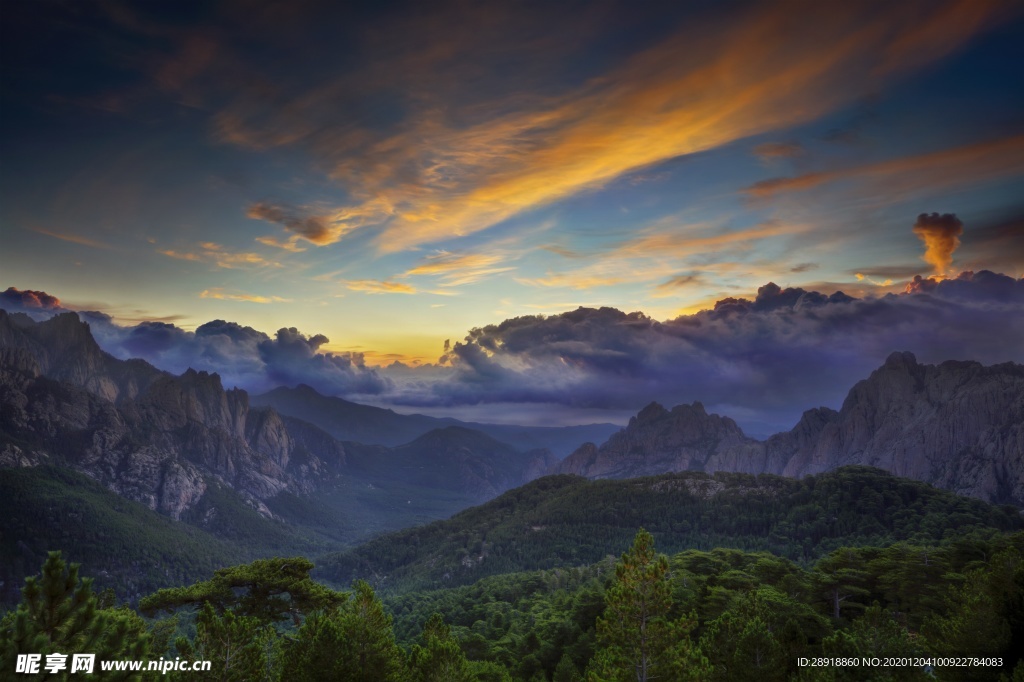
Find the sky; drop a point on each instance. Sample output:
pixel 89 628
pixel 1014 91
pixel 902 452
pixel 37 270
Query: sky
pixel 521 212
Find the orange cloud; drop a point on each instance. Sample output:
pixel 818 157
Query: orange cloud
pixel 771 68
pixel 216 254
pixel 288 245
pixel 662 254
pixel 963 165
pixel 170 253
pixel 219 293
pixel 319 226
pixel 940 234
pixel 458 269
pixel 73 238
pixel 449 170
pixel 372 286
pixel 771 151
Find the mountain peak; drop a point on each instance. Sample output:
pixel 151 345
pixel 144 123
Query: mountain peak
pixel 900 360
pixel 650 413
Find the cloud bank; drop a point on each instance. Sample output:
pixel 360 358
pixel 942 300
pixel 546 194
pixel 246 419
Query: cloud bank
pixel 762 360
pixel 243 356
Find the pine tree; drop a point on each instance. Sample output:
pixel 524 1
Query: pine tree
pixel 60 614
pixel 438 658
pixel 273 590
pixel 354 642
pixel 237 646
pixel 840 576
pixel 637 641
pixel 566 670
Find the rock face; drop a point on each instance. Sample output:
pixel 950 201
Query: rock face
pixel 658 441
pixel 159 439
pixel 957 425
pixel 145 434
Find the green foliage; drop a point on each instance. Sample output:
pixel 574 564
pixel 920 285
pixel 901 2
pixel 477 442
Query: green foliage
pixel 239 647
pixel 634 634
pixel 353 642
pixel 273 590
pixel 60 614
pixel 438 658
pixel 569 521
pixel 840 576
pixel 875 635
pixel 984 615
pixel 750 614
pixel 131 547
pixel 723 614
pixel 566 671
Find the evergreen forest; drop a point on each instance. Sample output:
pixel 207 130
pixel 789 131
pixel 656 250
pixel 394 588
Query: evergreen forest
pixel 765 579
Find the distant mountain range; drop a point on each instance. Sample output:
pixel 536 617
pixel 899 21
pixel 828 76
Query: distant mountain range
pixel 163 440
pixel 282 474
pixel 349 421
pixel 171 442
pixel 957 425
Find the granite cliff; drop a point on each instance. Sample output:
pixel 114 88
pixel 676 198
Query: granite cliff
pixel 162 439
pixel 957 425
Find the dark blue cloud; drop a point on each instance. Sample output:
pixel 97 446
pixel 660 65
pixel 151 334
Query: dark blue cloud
pixel 761 360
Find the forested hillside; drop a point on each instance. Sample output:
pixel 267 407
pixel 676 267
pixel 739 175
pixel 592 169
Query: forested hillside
pixel 698 615
pixel 126 546
pixel 569 521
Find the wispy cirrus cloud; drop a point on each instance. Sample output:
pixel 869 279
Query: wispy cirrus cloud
pixel 458 269
pixel 373 286
pixel 220 294
pixel 73 238
pixel 773 151
pixel 287 245
pixel 220 256
pixel 662 252
pixel 963 165
pixel 443 172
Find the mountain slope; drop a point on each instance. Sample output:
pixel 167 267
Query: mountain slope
pixel 958 425
pixel 569 521
pixel 453 458
pixel 349 421
pixel 126 545
pixel 151 436
pixel 163 440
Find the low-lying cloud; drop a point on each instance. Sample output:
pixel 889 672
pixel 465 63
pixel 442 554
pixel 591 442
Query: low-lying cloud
pixel 243 356
pixel 762 360
pixel 768 358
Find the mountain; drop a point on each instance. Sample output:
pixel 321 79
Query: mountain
pixel 150 436
pixel 452 458
pixel 349 421
pixel 126 545
pixel 569 521
pixel 657 441
pixel 957 425
pixel 172 442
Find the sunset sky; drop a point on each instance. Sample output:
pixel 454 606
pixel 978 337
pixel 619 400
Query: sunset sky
pixel 393 175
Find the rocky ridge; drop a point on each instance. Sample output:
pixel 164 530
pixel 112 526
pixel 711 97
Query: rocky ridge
pixel 957 425
pixel 161 439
